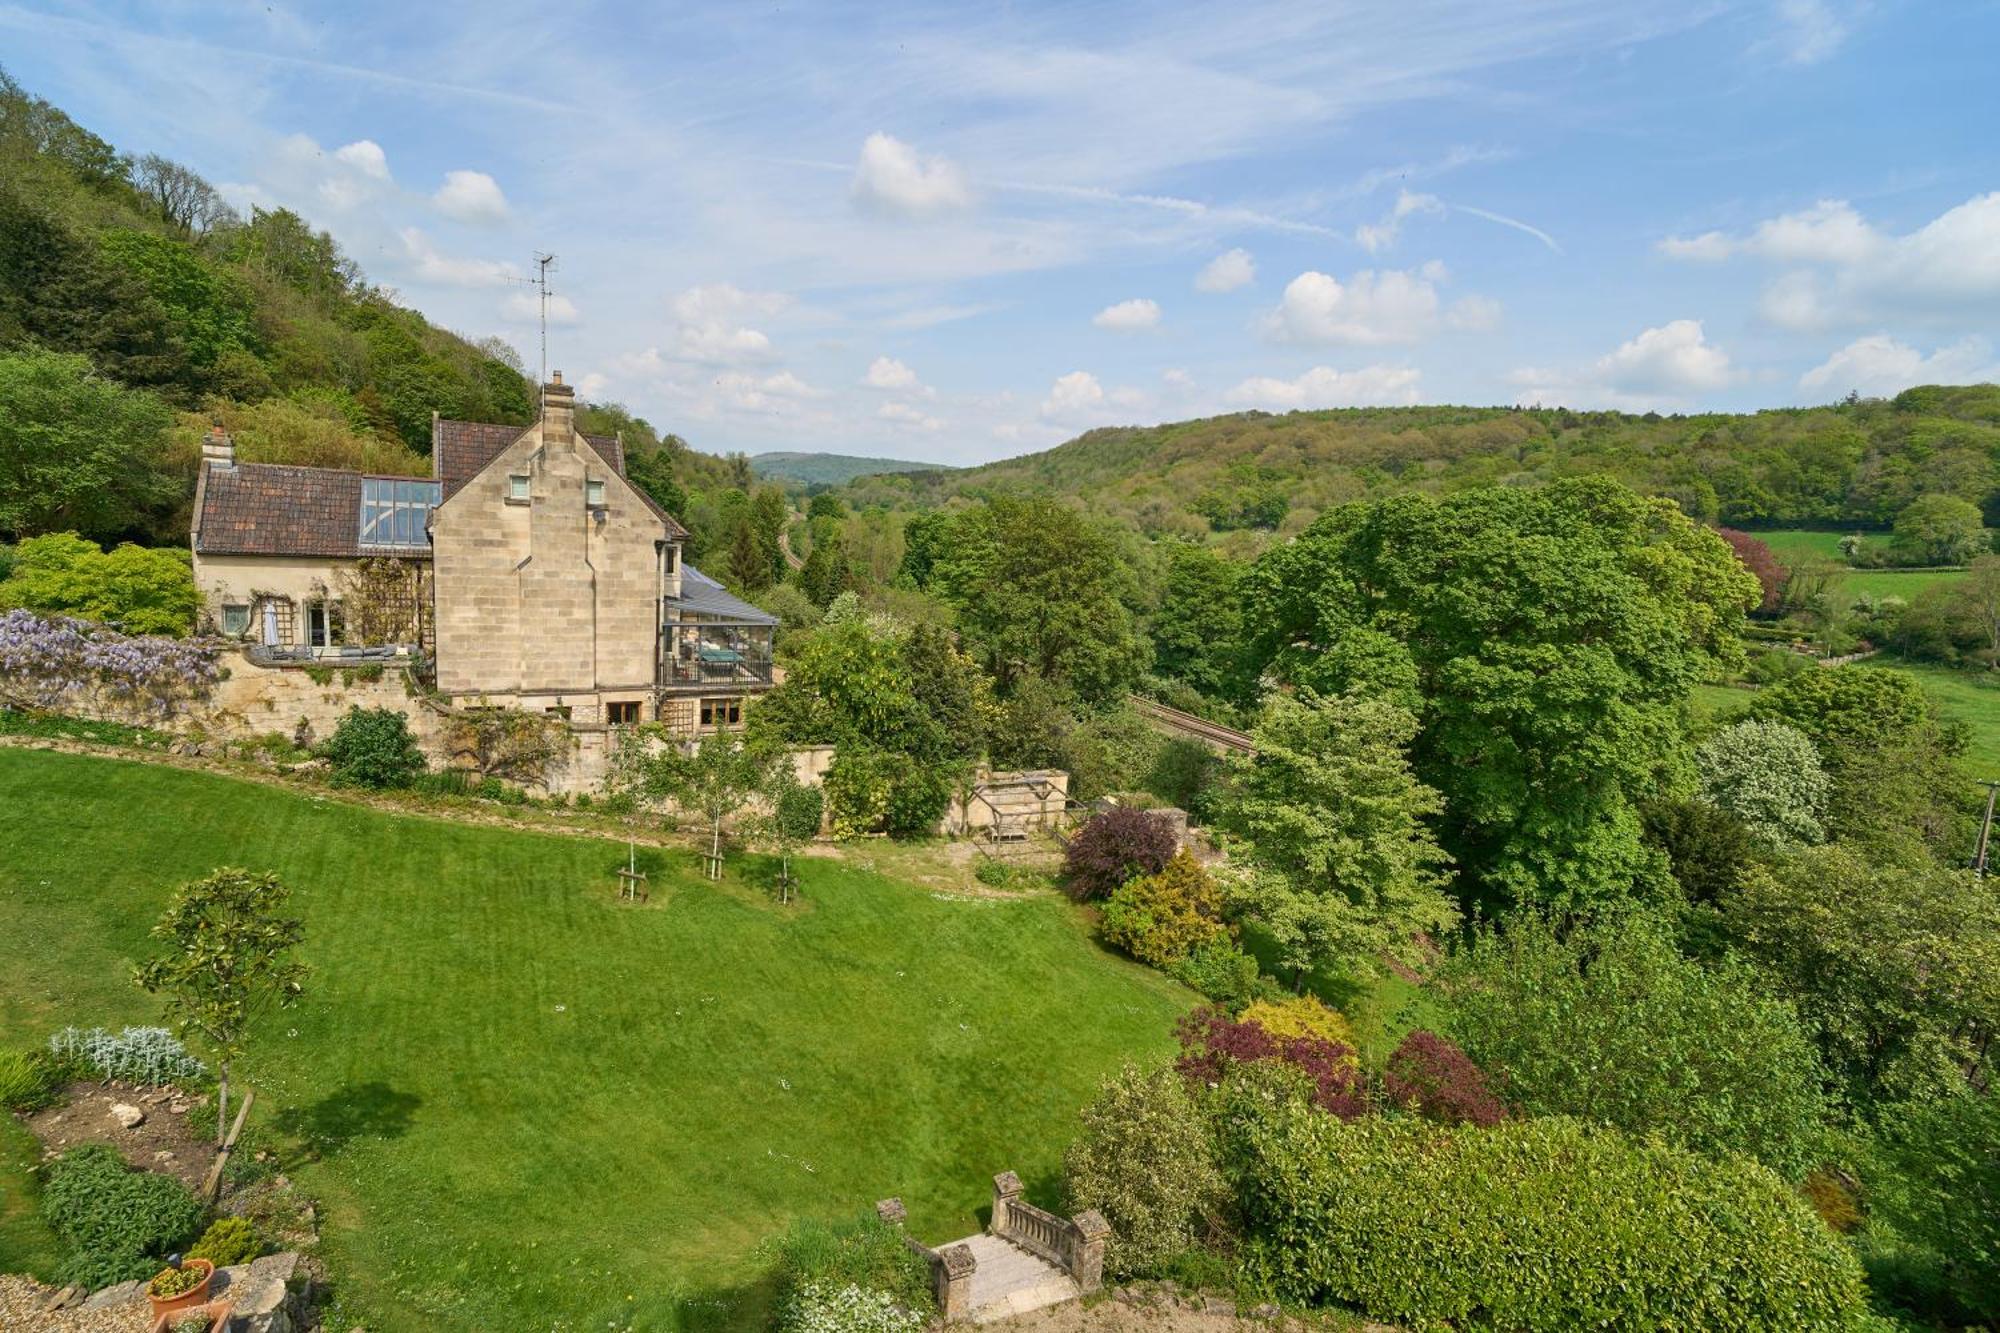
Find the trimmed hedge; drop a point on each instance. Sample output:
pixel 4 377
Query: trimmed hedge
pixel 1528 1225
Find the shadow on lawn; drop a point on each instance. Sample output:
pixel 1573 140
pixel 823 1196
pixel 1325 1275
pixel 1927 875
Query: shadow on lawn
pixel 359 1111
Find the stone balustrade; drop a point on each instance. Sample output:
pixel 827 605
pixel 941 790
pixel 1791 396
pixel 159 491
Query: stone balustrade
pixel 1074 1244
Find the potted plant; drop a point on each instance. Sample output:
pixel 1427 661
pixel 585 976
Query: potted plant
pixel 179 1287
pixel 208 1317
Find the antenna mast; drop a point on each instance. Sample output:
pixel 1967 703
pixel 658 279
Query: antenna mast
pixel 543 263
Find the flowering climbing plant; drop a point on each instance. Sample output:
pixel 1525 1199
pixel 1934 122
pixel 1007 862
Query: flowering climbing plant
pixel 61 664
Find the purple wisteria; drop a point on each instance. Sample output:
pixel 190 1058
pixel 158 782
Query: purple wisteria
pixel 61 664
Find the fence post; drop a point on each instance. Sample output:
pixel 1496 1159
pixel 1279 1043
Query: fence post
pixel 1088 1231
pixel 953 1281
pixel 1006 1189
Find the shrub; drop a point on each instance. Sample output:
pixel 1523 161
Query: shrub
pixel 1161 919
pixel 818 1260
pixel 1611 1023
pixel 1530 1225
pixel 1300 1016
pixel 141 590
pixel 142 1055
pixel 443 782
pixel 1146 1160
pixel 1213 1046
pixel 1113 847
pixel 1769 776
pixel 372 747
pixel 1431 1077
pixel 819 1308
pixel 227 1242
pixel 116 1222
pixel 1224 974
pixel 56 663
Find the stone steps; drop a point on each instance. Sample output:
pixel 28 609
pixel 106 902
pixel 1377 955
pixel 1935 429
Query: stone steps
pixel 1011 1281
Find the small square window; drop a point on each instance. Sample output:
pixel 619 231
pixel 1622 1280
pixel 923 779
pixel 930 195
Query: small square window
pixel 517 487
pixel 621 712
pixel 235 620
pixel 593 494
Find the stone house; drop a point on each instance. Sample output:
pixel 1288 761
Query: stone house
pixel 530 569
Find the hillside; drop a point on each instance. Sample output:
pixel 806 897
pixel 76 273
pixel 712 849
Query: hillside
pixel 1853 464
pixel 136 306
pixel 810 469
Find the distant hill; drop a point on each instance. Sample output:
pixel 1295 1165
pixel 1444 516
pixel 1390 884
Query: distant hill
pixel 806 469
pixel 1253 475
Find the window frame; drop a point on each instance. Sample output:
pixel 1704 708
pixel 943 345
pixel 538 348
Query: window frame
pixel 732 704
pixel 594 487
pixel 622 712
pixel 395 512
pixel 520 488
pixel 232 609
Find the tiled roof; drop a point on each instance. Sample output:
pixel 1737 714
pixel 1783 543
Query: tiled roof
pixel 460 449
pixel 270 509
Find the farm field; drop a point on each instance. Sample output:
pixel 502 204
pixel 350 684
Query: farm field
pixel 1966 695
pixel 1794 544
pixel 535 1107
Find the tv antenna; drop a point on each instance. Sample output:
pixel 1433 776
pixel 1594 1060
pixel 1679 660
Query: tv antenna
pixel 540 282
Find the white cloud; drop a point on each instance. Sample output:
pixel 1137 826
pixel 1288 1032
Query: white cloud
pixel 892 178
pixel 1377 237
pixel 1675 358
pixel 1226 272
pixel 591 385
pixel 1373 307
pixel 1323 386
pixel 1809 30
pixel 1664 367
pixel 713 323
pixel 1878 366
pixel 903 414
pixel 366 157
pixel 1132 316
pixel 1073 396
pixel 526 306
pixel 886 372
pixel 1844 270
pixel 471 196
pixel 429 265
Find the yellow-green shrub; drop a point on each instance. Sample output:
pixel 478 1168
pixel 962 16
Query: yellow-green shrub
pixel 1528 1225
pixel 1162 918
pixel 1299 1016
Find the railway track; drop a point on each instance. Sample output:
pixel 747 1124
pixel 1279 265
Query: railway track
pixel 1188 725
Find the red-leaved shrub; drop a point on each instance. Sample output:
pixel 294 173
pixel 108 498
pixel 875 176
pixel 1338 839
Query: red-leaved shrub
pixel 1212 1042
pixel 1431 1076
pixel 1113 847
pixel 1759 560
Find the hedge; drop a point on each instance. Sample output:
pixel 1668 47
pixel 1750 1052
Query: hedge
pixel 1533 1224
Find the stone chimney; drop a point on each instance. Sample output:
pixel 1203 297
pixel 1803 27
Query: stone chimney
pixel 218 449
pixel 558 413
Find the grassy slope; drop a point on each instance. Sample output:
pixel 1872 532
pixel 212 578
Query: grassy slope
pixel 539 1103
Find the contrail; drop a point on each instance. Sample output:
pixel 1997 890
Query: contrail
pixel 1515 223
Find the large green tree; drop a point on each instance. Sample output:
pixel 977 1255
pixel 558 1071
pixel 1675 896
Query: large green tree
pixel 1546 640
pixel 77 451
pixel 1040 590
pixel 1611 1023
pixel 1894 960
pixel 1197 630
pixel 1337 820
pixel 1940 530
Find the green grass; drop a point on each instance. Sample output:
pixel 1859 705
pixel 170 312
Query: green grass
pixel 535 1107
pixel 1796 544
pixel 1972 696
pixel 1793 545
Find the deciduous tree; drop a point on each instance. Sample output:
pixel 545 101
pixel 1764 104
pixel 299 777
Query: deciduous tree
pixel 228 957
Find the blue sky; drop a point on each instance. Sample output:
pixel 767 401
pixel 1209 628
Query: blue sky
pixel 961 232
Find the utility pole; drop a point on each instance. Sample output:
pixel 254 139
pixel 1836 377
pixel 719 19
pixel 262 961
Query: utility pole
pixel 543 263
pixel 1985 828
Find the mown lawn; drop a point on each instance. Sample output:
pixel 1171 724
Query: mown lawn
pixel 1973 696
pixel 1792 545
pixel 538 1108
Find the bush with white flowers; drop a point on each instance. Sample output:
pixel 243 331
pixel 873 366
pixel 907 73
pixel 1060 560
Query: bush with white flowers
pixel 820 1307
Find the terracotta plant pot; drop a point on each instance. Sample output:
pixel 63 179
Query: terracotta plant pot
pixel 216 1312
pixel 194 1295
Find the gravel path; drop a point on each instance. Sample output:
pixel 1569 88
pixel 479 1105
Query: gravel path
pixel 21 1312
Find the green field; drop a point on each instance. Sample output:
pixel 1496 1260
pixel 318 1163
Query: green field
pixel 1972 697
pixel 540 1108
pixel 1792 545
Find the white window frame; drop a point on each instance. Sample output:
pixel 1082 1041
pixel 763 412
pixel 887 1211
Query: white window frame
pixel 231 611
pixel 518 488
pixel 593 493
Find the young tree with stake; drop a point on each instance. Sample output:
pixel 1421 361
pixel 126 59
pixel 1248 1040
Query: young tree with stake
pixel 714 779
pixel 228 959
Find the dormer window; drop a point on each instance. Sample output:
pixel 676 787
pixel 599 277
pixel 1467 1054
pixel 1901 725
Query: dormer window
pixel 593 494
pixel 517 488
